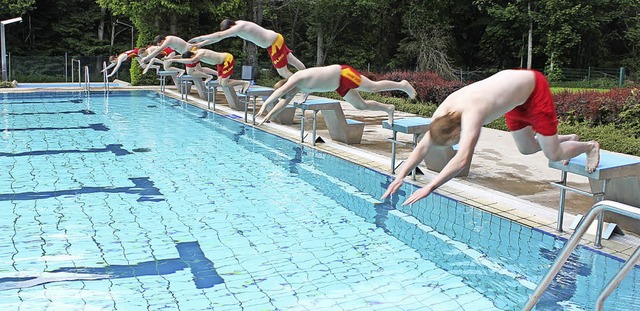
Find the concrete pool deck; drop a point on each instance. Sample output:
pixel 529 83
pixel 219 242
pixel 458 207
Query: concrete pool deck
pixel 501 180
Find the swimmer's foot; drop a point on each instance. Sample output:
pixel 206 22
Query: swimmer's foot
pixel 593 157
pixel 305 96
pixel 391 116
pixel 245 87
pixel 570 137
pixel 408 88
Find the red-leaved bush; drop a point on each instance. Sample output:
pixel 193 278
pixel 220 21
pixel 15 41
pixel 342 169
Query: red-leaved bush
pixel 593 107
pixel 429 86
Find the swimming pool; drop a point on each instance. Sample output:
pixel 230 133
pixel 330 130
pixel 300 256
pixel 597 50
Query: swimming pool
pixel 66 84
pixel 137 201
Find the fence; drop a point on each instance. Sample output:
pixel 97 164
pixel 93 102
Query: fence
pixel 605 77
pixel 59 68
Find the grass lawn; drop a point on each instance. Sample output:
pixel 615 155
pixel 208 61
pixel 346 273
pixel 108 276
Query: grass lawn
pixel 555 89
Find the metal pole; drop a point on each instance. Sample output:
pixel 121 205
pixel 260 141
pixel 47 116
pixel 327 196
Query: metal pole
pixel 66 67
pixel 621 78
pixel 3 50
pixel 9 65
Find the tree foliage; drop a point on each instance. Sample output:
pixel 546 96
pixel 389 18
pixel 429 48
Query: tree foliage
pixel 381 35
pixel 16 7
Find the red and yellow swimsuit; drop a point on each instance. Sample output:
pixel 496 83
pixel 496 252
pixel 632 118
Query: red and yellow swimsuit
pixel 132 53
pixel 192 65
pixel 225 69
pixel 166 52
pixel 538 111
pixel 278 52
pixel 349 79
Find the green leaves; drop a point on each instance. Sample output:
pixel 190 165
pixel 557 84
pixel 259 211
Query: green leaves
pixel 16 7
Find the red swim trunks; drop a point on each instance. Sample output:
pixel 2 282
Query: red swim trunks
pixel 192 65
pixel 278 52
pixel 225 69
pixel 167 51
pixel 349 79
pixel 538 111
pixel 132 53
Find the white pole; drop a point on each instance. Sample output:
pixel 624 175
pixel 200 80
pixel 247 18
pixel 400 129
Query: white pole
pixel 4 56
pixel 3 49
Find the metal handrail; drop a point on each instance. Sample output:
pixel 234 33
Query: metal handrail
pixel 87 83
pixel 104 77
pixel 73 61
pixel 596 209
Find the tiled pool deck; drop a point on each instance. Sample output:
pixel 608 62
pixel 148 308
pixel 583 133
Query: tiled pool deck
pixel 501 180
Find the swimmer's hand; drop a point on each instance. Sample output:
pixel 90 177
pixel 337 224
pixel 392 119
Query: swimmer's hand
pixel 393 187
pixel 264 120
pixel 419 194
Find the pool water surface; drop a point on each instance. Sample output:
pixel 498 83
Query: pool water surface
pixel 138 201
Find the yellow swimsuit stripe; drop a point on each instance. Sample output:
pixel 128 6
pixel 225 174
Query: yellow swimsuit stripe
pixel 351 75
pixel 277 45
pixel 228 59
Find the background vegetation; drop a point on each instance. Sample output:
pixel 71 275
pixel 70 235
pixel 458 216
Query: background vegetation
pixel 378 35
pixel 433 44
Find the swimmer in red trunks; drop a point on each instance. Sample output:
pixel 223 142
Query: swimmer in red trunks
pixel 116 61
pixel 223 61
pixel 161 58
pixel 175 43
pixel 523 96
pixel 280 54
pixel 343 79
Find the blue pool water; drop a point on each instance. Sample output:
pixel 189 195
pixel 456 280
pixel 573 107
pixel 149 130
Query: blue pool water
pixel 137 202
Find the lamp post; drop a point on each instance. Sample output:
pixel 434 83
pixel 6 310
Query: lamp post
pixel 130 26
pixel 3 50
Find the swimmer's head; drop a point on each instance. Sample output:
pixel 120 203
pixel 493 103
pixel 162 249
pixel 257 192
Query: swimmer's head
pixel 445 130
pixel 187 54
pixel 226 24
pixel 159 39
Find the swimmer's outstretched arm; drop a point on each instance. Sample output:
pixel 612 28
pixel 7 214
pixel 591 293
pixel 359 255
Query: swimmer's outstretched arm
pixel 287 89
pixel 121 58
pixel 108 67
pixel 216 36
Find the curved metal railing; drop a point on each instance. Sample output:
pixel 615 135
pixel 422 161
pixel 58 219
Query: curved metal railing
pixel 599 207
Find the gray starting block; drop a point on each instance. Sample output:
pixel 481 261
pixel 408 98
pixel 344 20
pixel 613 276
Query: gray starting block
pixel 615 178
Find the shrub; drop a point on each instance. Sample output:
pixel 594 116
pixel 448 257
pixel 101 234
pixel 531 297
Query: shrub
pixel 592 107
pixel 137 78
pixel 5 84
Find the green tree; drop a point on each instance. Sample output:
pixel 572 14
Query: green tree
pixel 16 7
pixel 428 42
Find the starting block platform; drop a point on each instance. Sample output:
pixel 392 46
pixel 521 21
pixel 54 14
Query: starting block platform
pixel 616 178
pixel 436 158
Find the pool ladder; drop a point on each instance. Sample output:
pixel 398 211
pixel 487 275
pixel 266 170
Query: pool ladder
pixel 105 79
pixel 596 209
pixel 87 83
pixel 73 61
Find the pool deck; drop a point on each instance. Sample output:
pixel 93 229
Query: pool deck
pixel 501 180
